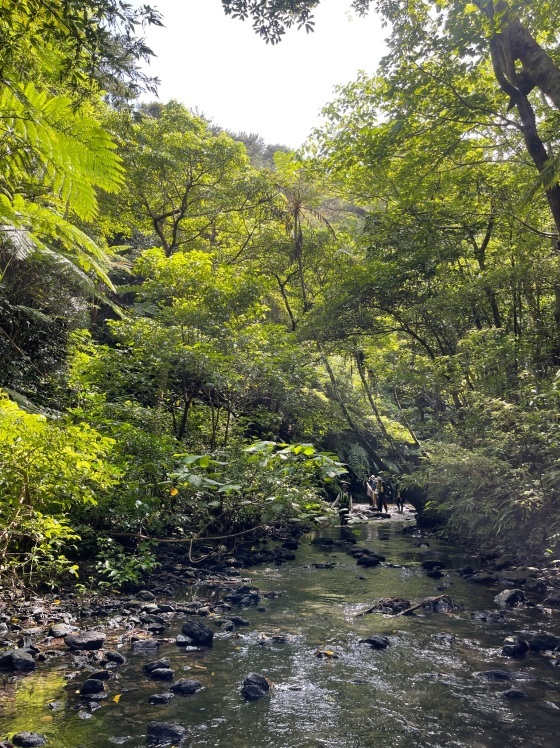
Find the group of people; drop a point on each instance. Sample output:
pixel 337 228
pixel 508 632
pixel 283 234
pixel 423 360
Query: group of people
pixel 379 492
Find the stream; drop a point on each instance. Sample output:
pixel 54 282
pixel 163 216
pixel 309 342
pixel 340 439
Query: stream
pixel 423 690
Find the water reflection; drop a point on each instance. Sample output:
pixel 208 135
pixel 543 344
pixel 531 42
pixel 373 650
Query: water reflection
pixel 423 690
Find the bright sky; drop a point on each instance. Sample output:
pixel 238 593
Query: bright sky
pixel 219 66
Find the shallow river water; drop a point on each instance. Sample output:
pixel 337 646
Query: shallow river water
pixel 423 690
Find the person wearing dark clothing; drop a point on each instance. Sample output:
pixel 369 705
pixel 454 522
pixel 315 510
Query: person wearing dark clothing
pixel 344 503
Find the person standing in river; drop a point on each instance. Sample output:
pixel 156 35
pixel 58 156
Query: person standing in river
pixel 380 489
pixel 399 499
pixel 344 503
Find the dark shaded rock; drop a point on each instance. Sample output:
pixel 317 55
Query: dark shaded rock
pixel 162 673
pixel 101 675
pixel 512 694
pixel 430 564
pixel 28 739
pixel 255 686
pixel 60 630
pixel 536 586
pixel 145 595
pixel 514 577
pixel 165 734
pixel 160 698
pixel 376 641
pixel 144 646
pixel 553 599
pixel 322 541
pixel 542 642
pixel 514 646
pixel 92 685
pixel 238 621
pixel 481 577
pixel 85 640
pixel 290 544
pixel 465 571
pixel 198 633
pixel 324 566
pixel 497 675
pixel 510 598
pixel 368 561
pixel 17 661
pixel 115 657
pixel 434 574
pixel 444 638
pixel 164 662
pixel 504 562
pixel 488 616
pixel 186 686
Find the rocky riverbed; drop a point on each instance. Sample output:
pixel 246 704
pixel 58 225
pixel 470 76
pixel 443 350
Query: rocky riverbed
pixel 372 635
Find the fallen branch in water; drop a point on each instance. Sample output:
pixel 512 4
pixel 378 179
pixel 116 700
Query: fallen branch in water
pixel 384 606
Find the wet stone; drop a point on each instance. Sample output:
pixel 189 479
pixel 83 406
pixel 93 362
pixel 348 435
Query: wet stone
pixel 17 661
pixel 89 640
pixel 165 734
pixel 163 662
pixel 92 686
pixel 514 646
pixel 28 739
pixel 115 657
pixel 162 673
pixel 513 694
pixel 198 633
pixel 186 686
pixel 255 686
pixel 376 641
pixel 60 630
pixel 160 698
pixel 144 646
pixel 510 598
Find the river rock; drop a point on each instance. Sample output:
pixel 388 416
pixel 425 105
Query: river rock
pixel 60 630
pixel 255 686
pixel 510 598
pixel 92 685
pixel 198 633
pixel 512 694
pixel 85 640
pixel 514 646
pixel 115 657
pixel 101 675
pixel 432 563
pixel 186 686
pixel 165 734
pixel 238 621
pixel 160 698
pixel 144 646
pixel 164 662
pixel 481 577
pixel 368 561
pixel 162 673
pixel 553 599
pixel 17 661
pixel 145 595
pixel 28 739
pixel 434 573
pixel 376 641
pixel 543 642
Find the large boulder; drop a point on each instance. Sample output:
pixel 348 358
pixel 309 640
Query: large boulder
pixel 255 686
pixel 164 734
pixel 85 640
pixel 17 661
pixel 198 633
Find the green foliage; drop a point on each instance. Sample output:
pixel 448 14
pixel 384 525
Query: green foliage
pixel 116 567
pixel 46 469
